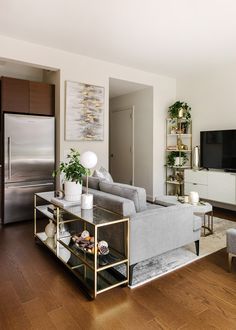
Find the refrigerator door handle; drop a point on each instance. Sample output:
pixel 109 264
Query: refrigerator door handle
pixel 31 185
pixel 9 156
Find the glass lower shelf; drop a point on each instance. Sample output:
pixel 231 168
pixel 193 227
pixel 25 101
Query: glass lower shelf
pixel 48 241
pixel 104 261
pixel 106 278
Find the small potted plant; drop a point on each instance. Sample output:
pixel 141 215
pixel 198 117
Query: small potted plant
pixel 180 110
pixel 176 158
pixel 73 172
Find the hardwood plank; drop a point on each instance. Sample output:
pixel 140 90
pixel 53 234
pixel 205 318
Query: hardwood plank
pixel 62 320
pixel 37 314
pixel 12 315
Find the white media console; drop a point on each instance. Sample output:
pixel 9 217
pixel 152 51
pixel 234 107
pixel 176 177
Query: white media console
pixel 214 185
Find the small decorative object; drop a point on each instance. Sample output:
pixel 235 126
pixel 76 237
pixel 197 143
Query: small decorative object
pixel 73 171
pixel 64 234
pixel 84 112
pixel 50 241
pixel 85 234
pixel 173 130
pixel 186 199
pixel 88 160
pixel 179 143
pixel 50 229
pixel 176 158
pixel 87 244
pixel 196 158
pixel 194 197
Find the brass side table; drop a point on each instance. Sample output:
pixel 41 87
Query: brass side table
pixel 95 275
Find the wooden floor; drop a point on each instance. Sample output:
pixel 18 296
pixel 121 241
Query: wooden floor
pixel 37 292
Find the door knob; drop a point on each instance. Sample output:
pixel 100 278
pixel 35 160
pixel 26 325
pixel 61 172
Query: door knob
pixel 111 155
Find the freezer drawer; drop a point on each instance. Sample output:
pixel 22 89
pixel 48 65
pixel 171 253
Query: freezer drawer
pixel 19 200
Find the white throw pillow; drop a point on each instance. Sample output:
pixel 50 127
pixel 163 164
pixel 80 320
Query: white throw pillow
pixel 103 174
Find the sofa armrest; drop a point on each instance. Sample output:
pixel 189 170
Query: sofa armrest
pixel 155 231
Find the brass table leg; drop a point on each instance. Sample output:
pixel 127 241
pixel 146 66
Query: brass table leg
pixel 209 226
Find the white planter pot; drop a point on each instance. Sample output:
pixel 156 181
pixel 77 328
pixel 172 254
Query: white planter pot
pixel 72 191
pixel 179 161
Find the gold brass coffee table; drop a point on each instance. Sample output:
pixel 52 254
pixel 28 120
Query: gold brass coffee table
pixel 96 273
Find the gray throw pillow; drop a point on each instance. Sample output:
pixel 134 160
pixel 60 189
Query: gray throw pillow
pixel 103 174
pixel 136 194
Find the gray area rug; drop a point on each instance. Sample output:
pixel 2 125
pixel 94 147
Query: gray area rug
pixel 158 266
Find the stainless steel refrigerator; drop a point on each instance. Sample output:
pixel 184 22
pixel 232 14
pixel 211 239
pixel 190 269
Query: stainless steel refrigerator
pixel 29 158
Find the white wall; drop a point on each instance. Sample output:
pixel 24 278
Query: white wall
pixel 84 69
pixel 14 70
pixel 143 134
pixel 213 100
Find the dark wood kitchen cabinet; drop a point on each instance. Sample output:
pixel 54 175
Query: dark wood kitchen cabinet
pixel 15 95
pixel 42 98
pixel 29 97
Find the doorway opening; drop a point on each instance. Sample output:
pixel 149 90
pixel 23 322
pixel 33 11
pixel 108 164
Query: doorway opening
pixel 131 132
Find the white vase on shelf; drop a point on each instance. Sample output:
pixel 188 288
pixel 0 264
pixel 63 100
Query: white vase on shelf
pixel 50 229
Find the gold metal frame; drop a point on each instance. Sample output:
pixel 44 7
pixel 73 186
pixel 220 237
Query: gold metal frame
pixel 84 263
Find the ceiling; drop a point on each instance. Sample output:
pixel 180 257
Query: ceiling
pixel 171 37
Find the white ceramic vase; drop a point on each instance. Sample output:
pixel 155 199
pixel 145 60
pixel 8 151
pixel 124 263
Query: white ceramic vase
pixel 72 191
pixel 179 161
pixel 194 197
pixel 50 229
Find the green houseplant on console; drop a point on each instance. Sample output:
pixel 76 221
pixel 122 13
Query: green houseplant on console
pixel 176 159
pixel 73 172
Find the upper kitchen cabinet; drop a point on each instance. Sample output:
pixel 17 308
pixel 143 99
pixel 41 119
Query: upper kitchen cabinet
pixel 23 96
pixel 42 98
pixel 15 95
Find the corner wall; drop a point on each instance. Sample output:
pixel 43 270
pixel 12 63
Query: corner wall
pixel 213 100
pixel 84 69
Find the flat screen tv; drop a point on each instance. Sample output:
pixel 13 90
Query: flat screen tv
pixel 218 149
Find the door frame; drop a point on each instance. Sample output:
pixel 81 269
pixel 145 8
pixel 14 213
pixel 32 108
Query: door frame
pixel 126 108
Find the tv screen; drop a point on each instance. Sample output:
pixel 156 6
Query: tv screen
pixel 218 149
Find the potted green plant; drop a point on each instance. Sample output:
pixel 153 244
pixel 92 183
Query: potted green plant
pixel 73 172
pixel 176 158
pixel 180 110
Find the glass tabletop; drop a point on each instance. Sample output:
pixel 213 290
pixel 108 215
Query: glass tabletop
pixel 95 216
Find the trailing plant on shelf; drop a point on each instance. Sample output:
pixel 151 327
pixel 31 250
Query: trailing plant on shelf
pixel 171 158
pixel 180 110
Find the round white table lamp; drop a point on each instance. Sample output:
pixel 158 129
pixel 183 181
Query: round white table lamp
pixel 89 160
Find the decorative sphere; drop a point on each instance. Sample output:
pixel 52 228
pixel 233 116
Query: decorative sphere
pixel 88 159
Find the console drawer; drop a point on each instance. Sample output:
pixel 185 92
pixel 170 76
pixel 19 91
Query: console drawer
pixel 199 177
pixel 200 188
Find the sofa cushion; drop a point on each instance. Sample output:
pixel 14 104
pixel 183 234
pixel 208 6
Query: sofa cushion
pixel 103 174
pixel 93 182
pixel 136 194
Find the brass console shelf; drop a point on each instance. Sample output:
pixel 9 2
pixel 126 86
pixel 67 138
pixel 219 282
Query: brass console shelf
pixel 95 275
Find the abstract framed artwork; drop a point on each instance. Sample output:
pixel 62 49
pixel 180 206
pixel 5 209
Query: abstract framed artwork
pixel 84 112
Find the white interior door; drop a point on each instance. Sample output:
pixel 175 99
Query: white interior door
pixel 121 145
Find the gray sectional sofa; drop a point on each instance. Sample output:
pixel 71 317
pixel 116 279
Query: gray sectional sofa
pixel 154 229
